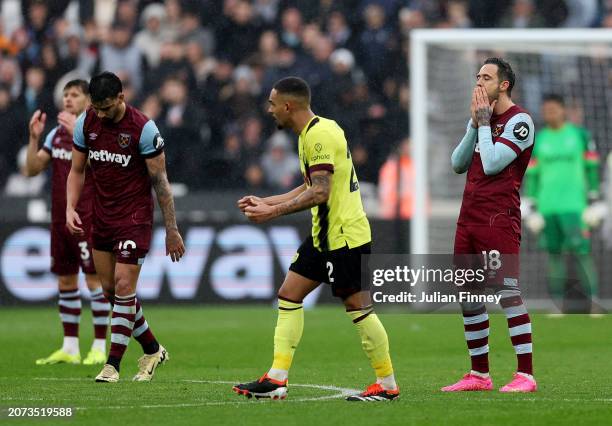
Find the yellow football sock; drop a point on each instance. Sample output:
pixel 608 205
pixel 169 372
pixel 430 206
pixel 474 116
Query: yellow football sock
pixel 373 340
pixel 288 333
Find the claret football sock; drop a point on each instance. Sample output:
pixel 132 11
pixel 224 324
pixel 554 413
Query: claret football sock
pixel 476 327
pixel 142 332
pixel 122 323
pixel 70 314
pixel 287 335
pixel 519 326
pixel 100 308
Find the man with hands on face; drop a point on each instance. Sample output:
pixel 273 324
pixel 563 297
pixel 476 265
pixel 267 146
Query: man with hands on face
pixel 495 152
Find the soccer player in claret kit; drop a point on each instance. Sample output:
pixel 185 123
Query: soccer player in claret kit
pixel 333 252
pixel 126 154
pixel 69 252
pixel 495 152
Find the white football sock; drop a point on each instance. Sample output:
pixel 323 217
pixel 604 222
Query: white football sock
pixel 529 376
pixel 479 374
pixel 71 345
pixel 277 374
pixel 99 344
pixel 387 383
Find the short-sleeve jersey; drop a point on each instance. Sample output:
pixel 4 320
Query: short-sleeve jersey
pixel 58 144
pixel 117 153
pixel 341 221
pixel 486 197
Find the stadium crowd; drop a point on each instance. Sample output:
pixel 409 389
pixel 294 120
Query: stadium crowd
pixel 203 71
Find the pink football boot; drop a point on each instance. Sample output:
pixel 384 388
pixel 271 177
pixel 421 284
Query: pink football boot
pixel 470 382
pixel 520 383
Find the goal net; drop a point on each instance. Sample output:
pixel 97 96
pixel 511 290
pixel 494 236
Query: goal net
pixel 576 64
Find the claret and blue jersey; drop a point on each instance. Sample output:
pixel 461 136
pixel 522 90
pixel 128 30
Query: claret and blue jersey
pixel 117 154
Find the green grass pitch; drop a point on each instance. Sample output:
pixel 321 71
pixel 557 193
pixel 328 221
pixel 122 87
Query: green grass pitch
pixel 212 347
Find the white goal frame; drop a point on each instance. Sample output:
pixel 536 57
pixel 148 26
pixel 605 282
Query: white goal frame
pixel 420 40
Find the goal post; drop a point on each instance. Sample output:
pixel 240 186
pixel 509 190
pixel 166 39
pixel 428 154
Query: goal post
pixel 443 63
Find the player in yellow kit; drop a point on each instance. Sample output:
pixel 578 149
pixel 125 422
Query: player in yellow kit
pixel 332 253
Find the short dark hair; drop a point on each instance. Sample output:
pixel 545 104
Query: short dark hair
pixel 81 84
pixel 293 86
pixel 504 72
pixel 104 86
pixel 553 97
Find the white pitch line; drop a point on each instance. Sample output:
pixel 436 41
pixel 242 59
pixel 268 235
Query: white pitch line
pixel 340 393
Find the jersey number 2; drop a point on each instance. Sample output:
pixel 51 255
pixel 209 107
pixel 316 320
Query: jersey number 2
pixel 330 271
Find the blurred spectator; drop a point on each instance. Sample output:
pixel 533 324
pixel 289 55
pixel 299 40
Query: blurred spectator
pixel 7 46
pixel 581 13
pixel 227 170
pixel 13 134
pixel 201 64
pixel 120 55
pixel 523 15
pixel 152 107
pixel 192 31
pixel 18 185
pixel 214 95
pixel 397 177
pixel 126 14
pixel 291 27
pixel 554 12
pixel 35 31
pixel 51 66
pixel 149 40
pixel 252 137
pixel 254 178
pixel 238 33
pixel 173 64
pixel 266 10
pixel 376 44
pixel 457 14
pixel 181 121
pixel 36 95
pixel 10 75
pixel 280 164
pixel 242 101
pixel 339 31
pixel 75 55
pixel 268 46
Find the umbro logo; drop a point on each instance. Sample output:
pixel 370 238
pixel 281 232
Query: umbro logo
pixel 93 136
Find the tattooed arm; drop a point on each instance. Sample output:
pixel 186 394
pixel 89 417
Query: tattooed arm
pixel 314 195
pixel 157 171
pixel 250 200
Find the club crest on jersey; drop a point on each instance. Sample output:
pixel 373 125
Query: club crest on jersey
pixel 499 129
pixel 124 140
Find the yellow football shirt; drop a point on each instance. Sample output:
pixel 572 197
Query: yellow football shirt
pixel 341 221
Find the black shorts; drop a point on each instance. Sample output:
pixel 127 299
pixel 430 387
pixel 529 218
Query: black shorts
pixel 340 268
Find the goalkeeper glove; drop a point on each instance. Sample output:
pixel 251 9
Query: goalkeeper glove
pixel 533 219
pixel 594 213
